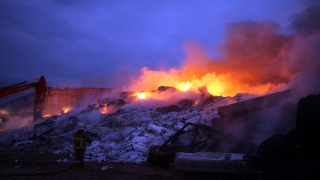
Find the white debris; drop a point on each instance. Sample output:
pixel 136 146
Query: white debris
pixel 125 136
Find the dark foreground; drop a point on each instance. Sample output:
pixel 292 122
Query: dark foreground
pixel 39 166
pixel 36 165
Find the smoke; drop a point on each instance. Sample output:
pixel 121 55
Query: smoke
pixel 18 122
pixel 298 66
pixel 305 54
pixel 255 60
pixel 255 54
pixel 307 22
pixel 149 80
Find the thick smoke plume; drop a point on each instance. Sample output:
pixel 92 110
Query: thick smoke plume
pixel 305 54
pixel 257 58
pixel 255 61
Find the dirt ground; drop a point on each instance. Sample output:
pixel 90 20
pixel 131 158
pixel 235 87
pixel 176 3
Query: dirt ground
pixel 36 165
pixel 41 165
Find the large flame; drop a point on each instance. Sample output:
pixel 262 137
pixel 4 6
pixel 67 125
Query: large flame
pixel 223 84
pixel 255 61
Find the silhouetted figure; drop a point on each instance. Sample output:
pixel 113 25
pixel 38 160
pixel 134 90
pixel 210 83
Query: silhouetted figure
pixel 80 138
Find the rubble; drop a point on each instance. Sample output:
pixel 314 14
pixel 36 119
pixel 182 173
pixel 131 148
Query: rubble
pixel 122 136
pixel 130 133
pixel 167 109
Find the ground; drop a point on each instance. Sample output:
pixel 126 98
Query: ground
pixel 23 165
pixel 42 165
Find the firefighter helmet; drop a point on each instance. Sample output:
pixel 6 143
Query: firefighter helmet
pixel 81 126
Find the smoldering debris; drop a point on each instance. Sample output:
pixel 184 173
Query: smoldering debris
pixel 126 134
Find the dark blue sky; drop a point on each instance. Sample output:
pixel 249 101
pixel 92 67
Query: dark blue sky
pixel 91 43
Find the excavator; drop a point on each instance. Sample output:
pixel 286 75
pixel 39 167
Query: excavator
pixel 40 93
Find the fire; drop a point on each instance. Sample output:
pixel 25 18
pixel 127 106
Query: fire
pixel 104 108
pixel 227 84
pixel 141 95
pixel 47 115
pixel 253 59
pixel 65 110
pixel 195 104
pixel 184 86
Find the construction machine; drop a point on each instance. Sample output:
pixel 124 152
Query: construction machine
pixel 40 93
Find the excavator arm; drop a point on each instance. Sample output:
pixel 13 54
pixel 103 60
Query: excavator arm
pixel 40 92
pixel 39 98
pixel 7 91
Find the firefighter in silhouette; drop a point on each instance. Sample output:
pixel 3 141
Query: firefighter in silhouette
pixel 80 138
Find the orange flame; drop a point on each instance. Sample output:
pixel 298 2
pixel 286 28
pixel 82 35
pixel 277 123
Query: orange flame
pixel 104 108
pixel 184 86
pixel 255 59
pixel 66 110
pixel 219 77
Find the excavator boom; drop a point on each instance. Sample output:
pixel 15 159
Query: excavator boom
pixel 39 98
pixel 7 91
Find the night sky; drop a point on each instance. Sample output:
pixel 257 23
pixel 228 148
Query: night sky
pixel 106 43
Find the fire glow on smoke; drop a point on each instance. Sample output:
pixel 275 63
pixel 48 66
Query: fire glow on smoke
pixel 256 59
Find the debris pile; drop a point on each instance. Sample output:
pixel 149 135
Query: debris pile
pixel 123 136
pixel 129 131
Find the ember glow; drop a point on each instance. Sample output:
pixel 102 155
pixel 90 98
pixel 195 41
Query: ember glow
pixel 104 108
pixel 66 110
pixel 51 112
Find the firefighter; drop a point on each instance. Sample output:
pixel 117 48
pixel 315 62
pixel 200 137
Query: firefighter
pixel 80 138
